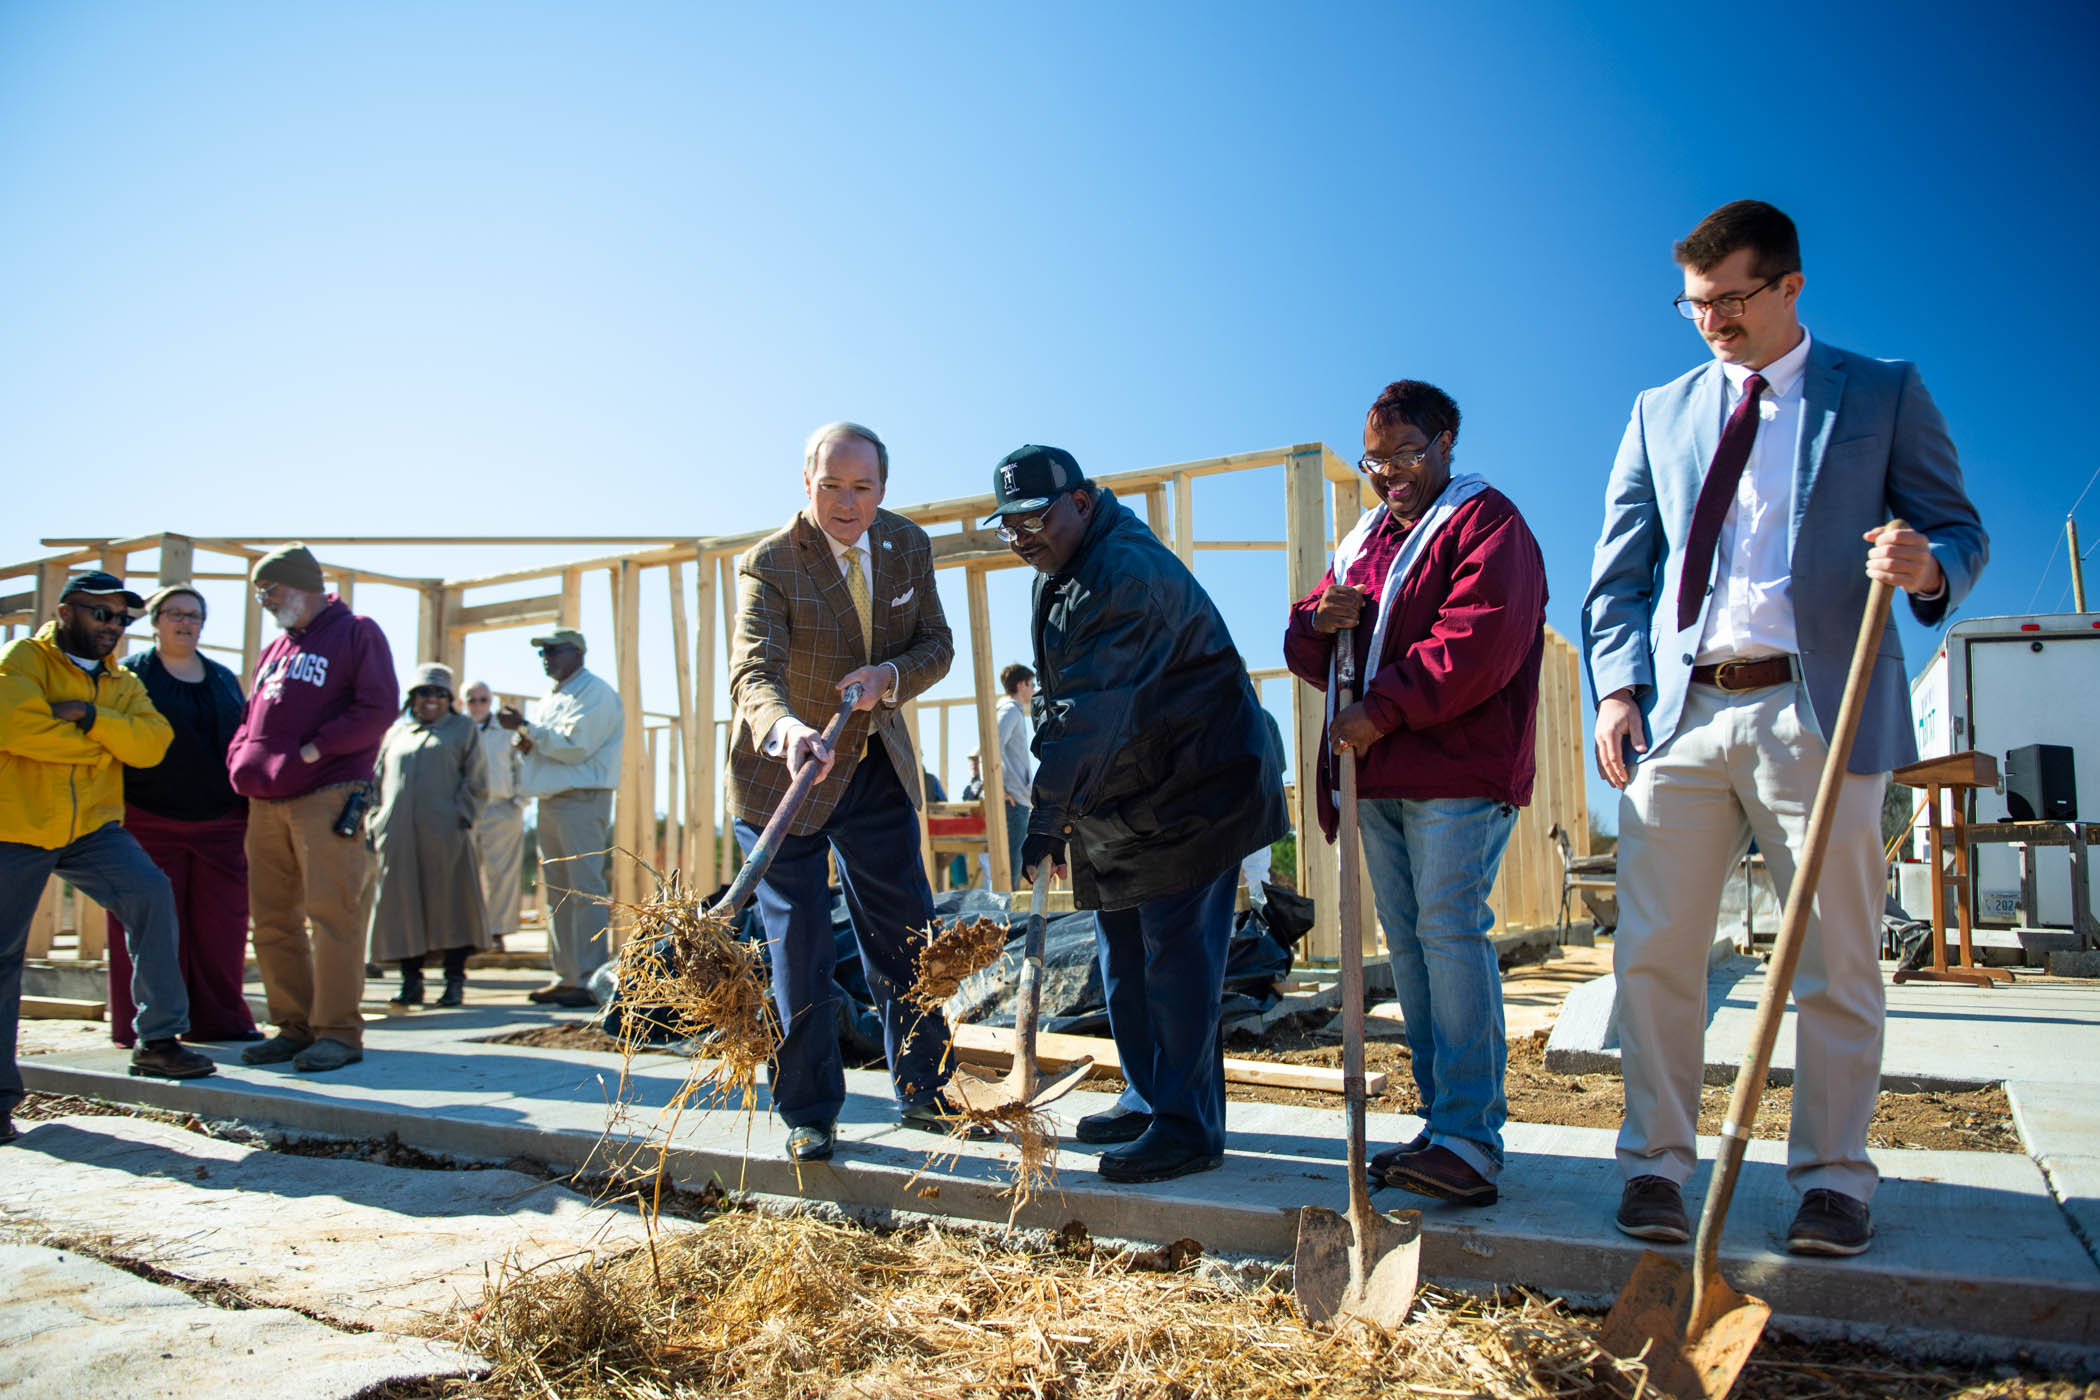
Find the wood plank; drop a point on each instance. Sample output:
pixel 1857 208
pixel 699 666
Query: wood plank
pixel 918 748
pixel 516 612
pixel 1185 518
pixel 1305 524
pixel 178 559
pixel 62 1009
pixel 1003 874
pixel 631 832
pixel 43 926
pixel 993 1046
pixel 90 929
pixel 700 762
pixel 681 792
pixel 571 614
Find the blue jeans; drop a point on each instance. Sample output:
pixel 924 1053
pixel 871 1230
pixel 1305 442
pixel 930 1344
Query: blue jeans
pixel 1163 969
pixel 110 866
pixel 1432 865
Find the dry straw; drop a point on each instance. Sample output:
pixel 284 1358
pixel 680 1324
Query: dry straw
pixel 797 1309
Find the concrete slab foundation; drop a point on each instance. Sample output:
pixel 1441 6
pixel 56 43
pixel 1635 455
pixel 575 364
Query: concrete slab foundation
pixel 72 1328
pixel 2021 1282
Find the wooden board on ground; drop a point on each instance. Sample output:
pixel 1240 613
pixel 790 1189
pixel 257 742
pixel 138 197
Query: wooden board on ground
pixel 993 1046
pixel 61 1009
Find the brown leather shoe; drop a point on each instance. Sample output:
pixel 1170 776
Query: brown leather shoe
pixel 1385 1161
pixel 1443 1175
pixel 1830 1223
pixel 166 1059
pixel 1652 1208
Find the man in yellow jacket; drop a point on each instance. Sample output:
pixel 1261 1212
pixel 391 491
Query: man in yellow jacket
pixel 69 722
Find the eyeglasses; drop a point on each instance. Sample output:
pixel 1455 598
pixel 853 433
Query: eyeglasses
pixel 1691 308
pixel 102 614
pixel 1011 529
pixel 1379 466
pixel 172 615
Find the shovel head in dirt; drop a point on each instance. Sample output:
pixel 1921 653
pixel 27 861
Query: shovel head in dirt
pixel 1691 1358
pixel 1368 1270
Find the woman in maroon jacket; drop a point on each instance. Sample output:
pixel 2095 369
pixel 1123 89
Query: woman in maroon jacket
pixel 1446 590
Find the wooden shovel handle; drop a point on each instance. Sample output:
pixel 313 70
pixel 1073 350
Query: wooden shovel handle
pixel 1786 951
pixel 768 844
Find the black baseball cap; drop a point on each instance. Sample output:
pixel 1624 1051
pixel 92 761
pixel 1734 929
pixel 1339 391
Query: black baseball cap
pixel 1029 478
pixel 97 584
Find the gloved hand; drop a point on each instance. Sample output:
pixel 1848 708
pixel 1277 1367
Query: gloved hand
pixel 1038 845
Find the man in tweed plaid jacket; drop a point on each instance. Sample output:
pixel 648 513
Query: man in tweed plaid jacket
pixel 843 593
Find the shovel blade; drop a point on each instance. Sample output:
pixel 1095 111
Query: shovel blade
pixel 1064 1084
pixel 1374 1278
pixel 1691 1359
pixel 983 1093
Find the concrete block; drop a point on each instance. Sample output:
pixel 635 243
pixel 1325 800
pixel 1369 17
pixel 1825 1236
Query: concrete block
pixel 71 981
pixel 2085 963
pixel 72 1328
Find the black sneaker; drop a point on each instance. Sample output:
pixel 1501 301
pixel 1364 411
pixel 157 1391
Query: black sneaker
pixel 1652 1208
pixel 166 1059
pixel 1830 1223
pixel 1114 1125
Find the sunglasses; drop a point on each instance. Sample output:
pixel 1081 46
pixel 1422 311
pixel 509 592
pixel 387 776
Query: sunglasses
pixel 102 614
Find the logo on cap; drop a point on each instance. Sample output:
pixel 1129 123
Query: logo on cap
pixel 1013 487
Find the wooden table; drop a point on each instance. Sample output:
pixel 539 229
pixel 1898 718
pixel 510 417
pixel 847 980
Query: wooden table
pixel 1957 774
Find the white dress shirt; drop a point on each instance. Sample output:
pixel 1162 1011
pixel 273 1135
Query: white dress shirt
pixel 1752 613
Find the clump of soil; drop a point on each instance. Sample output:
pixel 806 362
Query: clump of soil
pixel 566 1035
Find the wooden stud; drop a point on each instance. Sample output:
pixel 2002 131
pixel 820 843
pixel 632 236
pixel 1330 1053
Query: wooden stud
pixel 346 589
pixel 1184 519
pixel 688 721
pixel 114 561
pixel 90 928
pixel 634 826
pixel 455 653
pixel 251 636
pixel 178 560
pixel 702 775
pixel 649 848
pixel 987 683
pixel 918 744
pixel 943 772
pixel 675 855
pixel 1156 514
pixel 43 926
pixel 571 613
pixel 1305 521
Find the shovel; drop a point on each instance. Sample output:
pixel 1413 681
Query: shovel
pixel 1022 1086
pixel 1694 1330
pixel 1366 1265
pixel 768 846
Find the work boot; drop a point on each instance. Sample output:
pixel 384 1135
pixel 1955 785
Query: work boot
pixel 1652 1208
pixel 411 993
pixel 1114 1125
pixel 166 1059
pixel 274 1051
pixel 1830 1223
pixel 324 1055
pixel 455 993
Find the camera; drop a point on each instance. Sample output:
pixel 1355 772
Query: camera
pixel 353 814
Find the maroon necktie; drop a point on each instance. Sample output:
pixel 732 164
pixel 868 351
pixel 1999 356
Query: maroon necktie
pixel 1714 497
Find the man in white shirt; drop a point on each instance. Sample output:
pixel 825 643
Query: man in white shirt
pixel 500 829
pixel 1746 515
pixel 1016 767
pixel 571 763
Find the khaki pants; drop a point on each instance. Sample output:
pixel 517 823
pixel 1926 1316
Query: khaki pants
pixel 500 832
pixel 575 830
pixel 301 874
pixel 1739 766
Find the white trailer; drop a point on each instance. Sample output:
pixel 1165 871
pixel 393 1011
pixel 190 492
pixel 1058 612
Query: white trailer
pixel 1997 684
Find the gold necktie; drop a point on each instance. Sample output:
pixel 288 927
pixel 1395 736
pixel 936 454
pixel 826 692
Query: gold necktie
pixel 863 605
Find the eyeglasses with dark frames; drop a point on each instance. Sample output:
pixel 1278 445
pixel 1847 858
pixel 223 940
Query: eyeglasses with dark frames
pixel 1731 306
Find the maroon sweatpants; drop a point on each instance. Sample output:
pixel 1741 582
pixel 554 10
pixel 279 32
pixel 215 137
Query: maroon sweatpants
pixel 207 863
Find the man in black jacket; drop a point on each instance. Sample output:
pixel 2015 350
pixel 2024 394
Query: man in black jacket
pixel 1155 773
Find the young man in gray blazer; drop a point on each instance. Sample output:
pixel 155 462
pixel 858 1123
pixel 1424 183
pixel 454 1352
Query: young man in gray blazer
pixel 1744 519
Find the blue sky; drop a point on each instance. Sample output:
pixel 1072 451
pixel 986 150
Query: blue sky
pixel 527 268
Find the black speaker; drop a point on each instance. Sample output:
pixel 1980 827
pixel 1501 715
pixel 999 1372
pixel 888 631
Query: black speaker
pixel 2040 784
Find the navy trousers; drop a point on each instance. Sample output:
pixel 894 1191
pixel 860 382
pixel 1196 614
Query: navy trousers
pixel 1163 965
pixel 875 835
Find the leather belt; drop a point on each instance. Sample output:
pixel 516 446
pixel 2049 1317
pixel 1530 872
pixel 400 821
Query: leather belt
pixel 1746 675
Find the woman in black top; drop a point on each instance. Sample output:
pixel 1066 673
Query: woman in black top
pixel 192 823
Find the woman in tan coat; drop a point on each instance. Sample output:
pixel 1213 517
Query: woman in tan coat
pixel 428 786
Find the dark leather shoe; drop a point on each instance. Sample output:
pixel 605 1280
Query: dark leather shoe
pixel 1830 1223
pixel 811 1142
pixel 166 1059
pixel 1652 1208
pixel 1390 1158
pixel 1443 1175
pixel 274 1051
pixel 1115 1125
pixel 1154 1160
pixel 7 1129
pixel 937 1115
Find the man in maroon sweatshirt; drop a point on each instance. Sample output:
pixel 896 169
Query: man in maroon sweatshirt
pixel 322 696
pixel 1446 589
